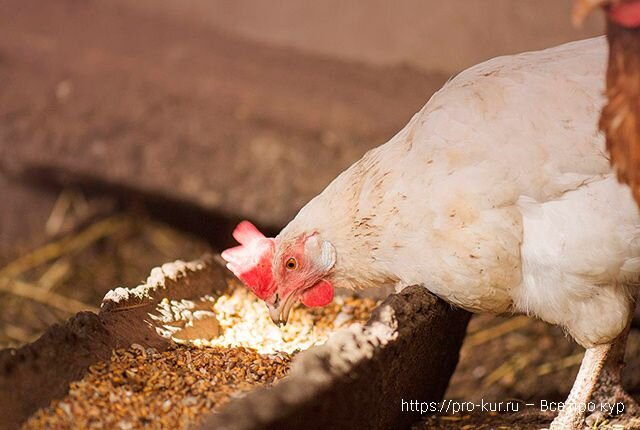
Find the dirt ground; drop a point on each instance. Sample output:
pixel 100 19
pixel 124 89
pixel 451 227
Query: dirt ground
pixel 521 360
pixel 98 93
pixel 51 283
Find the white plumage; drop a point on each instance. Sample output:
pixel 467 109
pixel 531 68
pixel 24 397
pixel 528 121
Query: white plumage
pixel 497 196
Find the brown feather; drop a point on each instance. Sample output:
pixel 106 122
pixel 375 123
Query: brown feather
pixel 620 120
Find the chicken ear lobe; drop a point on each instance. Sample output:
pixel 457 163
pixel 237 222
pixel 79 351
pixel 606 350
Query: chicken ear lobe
pixel 321 294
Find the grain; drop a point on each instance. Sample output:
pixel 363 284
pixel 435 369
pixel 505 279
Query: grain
pixel 144 388
pixel 245 321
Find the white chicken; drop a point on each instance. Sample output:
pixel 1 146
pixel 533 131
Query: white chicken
pixel 497 196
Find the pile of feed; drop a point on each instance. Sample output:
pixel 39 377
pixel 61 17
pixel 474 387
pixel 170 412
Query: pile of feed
pixel 141 388
pixel 144 388
pixel 245 321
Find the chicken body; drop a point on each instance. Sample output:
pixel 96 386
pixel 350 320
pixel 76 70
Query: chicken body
pixel 497 196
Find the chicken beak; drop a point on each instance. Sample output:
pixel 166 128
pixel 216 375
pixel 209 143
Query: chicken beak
pixel 274 313
pixel 279 310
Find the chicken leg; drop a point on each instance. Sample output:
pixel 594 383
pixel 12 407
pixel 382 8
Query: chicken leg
pixel 572 416
pixel 599 381
pixel 609 392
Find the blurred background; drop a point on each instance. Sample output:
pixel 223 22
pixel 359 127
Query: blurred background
pixel 444 36
pixel 202 111
pixel 133 133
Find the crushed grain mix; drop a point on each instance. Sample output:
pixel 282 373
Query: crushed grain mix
pixel 245 322
pixel 143 388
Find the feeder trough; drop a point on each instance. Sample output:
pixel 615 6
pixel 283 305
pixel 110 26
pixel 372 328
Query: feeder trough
pixel 357 379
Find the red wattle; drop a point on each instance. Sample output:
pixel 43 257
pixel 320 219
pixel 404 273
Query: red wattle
pixel 626 14
pixel 321 294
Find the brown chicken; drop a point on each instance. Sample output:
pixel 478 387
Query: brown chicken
pixel 620 120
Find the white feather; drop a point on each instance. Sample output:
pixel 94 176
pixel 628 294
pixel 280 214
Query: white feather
pixel 497 196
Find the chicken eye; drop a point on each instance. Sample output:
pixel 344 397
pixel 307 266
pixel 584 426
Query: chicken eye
pixel 291 264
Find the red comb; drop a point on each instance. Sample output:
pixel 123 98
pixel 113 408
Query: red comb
pixel 625 14
pixel 251 261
